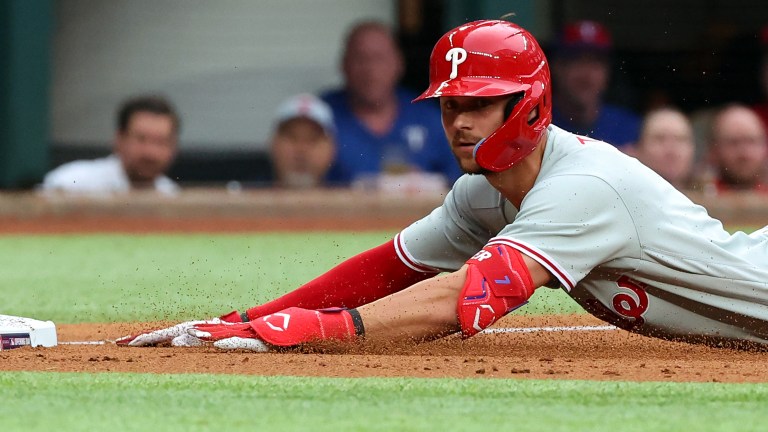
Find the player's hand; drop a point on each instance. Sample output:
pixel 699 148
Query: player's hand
pixel 177 334
pixel 226 335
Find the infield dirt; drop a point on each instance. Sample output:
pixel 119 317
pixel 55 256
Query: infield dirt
pixel 592 355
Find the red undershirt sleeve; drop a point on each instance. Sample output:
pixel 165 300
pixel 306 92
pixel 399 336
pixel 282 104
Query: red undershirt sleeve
pixel 364 278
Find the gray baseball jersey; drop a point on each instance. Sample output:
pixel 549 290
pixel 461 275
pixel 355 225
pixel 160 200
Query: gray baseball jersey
pixel 625 244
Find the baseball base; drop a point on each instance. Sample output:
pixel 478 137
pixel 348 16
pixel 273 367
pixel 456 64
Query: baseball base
pixel 16 332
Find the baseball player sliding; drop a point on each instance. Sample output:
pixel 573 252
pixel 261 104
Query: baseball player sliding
pixel 537 207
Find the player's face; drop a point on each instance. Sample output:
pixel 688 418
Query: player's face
pixel 467 120
pixel 302 153
pixel 147 146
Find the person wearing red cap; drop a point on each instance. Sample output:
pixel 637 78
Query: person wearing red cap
pixel 537 207
pixel 581 72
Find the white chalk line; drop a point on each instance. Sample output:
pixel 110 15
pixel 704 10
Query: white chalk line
pixel 548 329
pixel 486 331
pixel 83 343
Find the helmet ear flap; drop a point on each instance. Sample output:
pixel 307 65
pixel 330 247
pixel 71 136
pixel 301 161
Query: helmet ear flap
pixel 526 117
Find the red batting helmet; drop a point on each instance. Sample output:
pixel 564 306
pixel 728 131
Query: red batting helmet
pixel 496 58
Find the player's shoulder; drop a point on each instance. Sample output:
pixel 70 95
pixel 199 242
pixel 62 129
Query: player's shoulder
pixel 562 142
pixel 575 155
pixel 591 169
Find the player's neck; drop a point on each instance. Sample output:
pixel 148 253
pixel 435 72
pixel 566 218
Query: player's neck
pixel 515 183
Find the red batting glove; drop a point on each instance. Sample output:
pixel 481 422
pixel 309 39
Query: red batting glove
pixel 289 327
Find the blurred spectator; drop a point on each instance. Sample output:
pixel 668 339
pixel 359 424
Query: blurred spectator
pixel 762 108
pixel 666 145
pixel 302 144
pixel 581 68
pixel 738 150
pixel 145 145
pixel 379 131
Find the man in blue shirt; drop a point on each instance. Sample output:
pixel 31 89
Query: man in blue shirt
pixel 580 73
pixel 379 131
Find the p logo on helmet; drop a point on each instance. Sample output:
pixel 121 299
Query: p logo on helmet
pixel 456 56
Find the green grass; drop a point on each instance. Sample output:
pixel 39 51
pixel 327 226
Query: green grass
pixel 139 402
pixel 103 278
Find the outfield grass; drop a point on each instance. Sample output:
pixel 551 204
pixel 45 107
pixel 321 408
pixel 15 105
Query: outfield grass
pixel 138 402
pixel 105 278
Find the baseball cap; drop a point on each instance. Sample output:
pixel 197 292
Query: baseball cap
pixel 307 106
pixel 583 37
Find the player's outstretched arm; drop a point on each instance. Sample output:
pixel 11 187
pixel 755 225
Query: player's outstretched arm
pixel 494 282
pixel 425 311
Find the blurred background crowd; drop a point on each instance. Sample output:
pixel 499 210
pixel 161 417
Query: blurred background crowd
pixel 113 96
